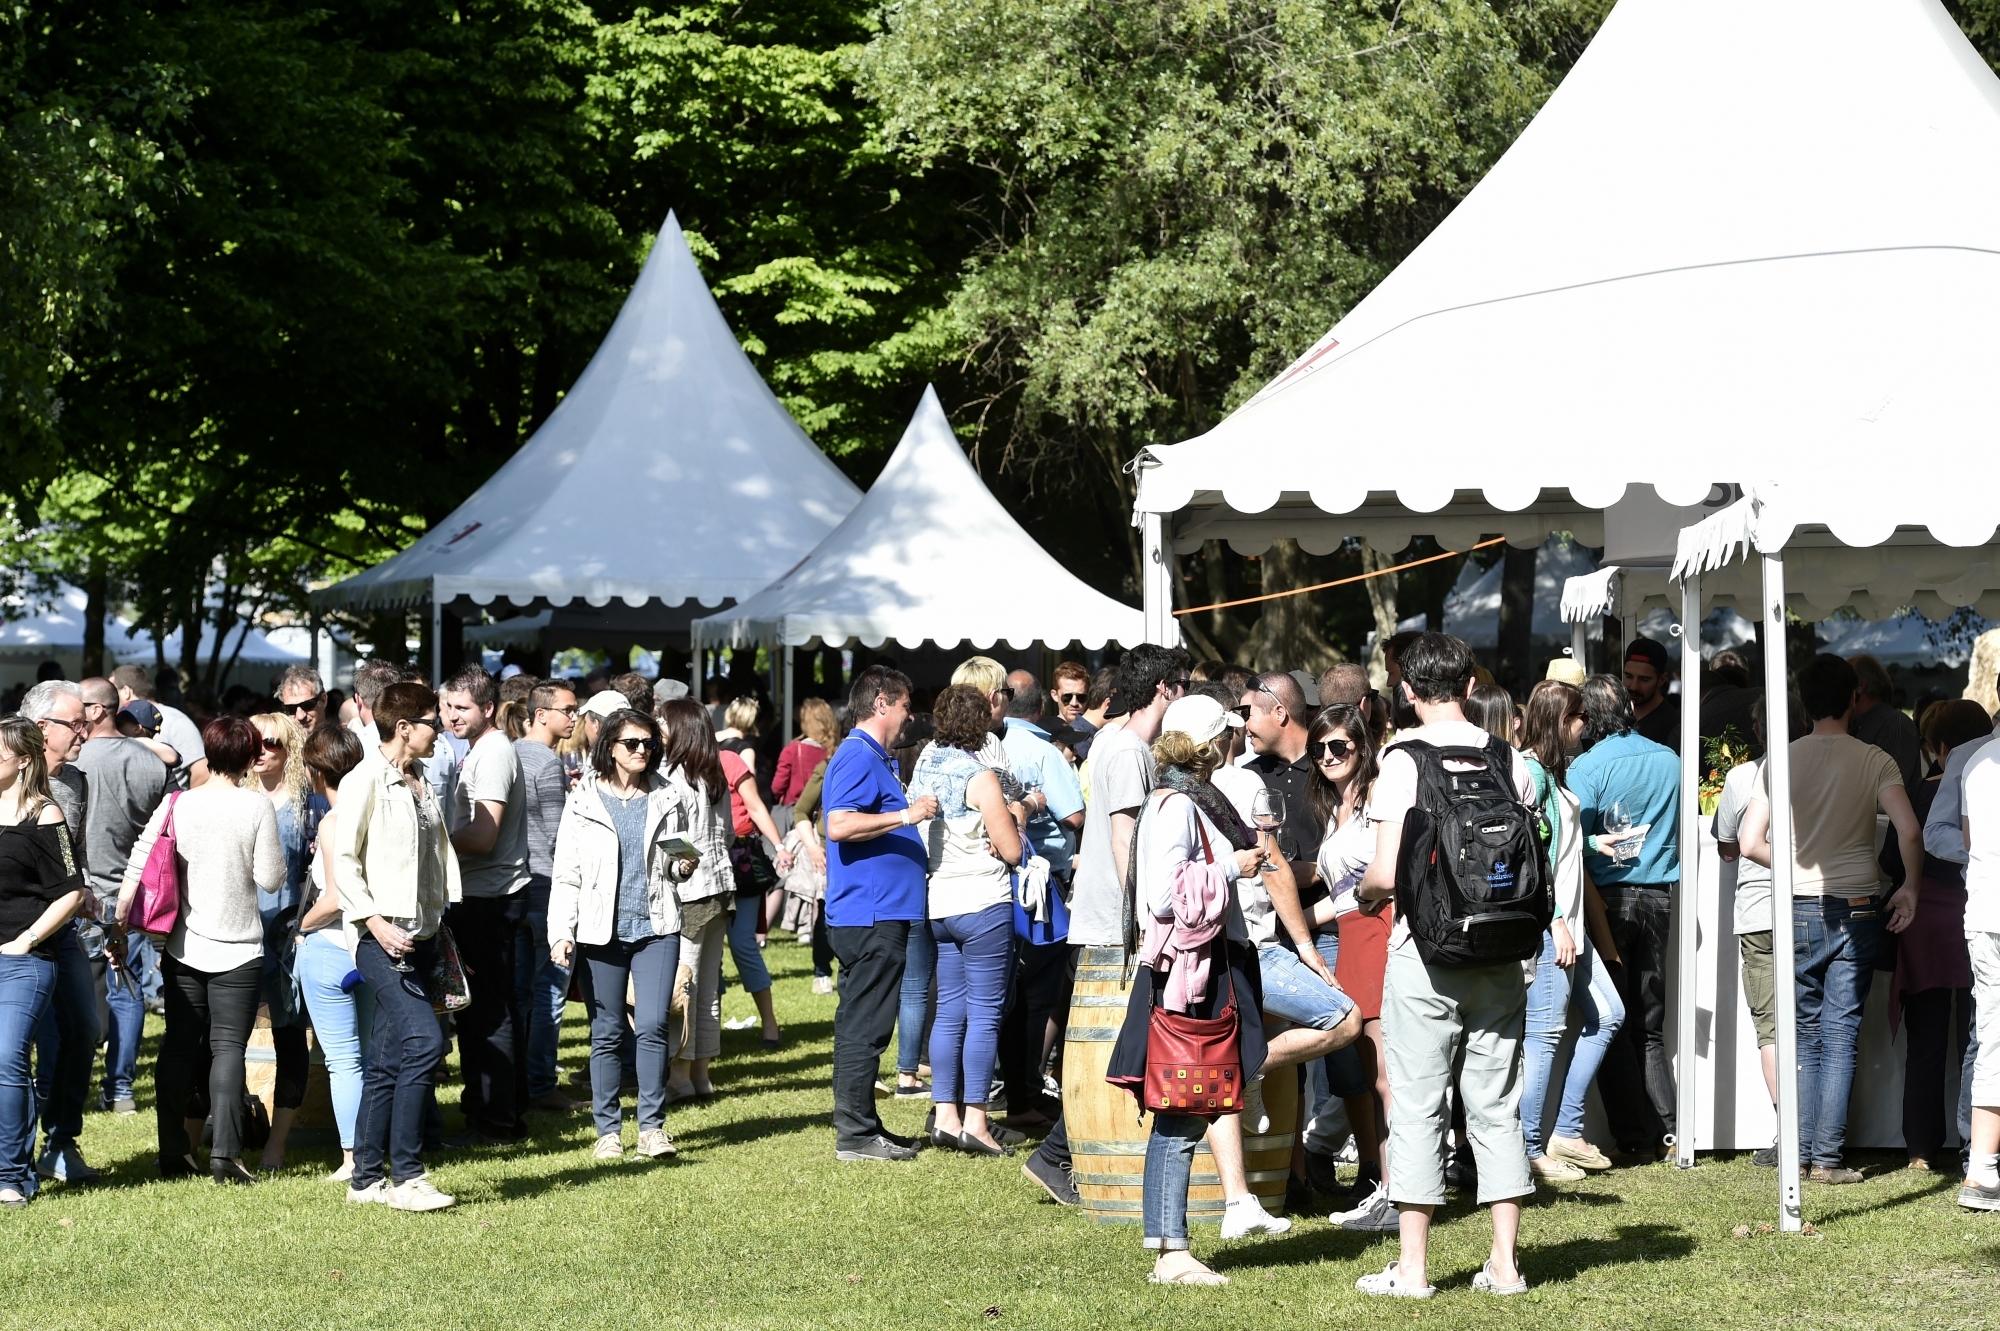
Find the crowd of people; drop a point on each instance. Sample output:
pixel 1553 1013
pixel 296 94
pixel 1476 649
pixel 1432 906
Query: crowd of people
pixel 1260 846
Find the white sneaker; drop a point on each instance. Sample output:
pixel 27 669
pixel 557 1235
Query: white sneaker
pixel 1244 1216
pixel 343 1174
pixel 1255 1121
pixel 822 984
pixel 1390 1281
pixel 655 1144
pixel 1350 1153
pixel 1377 1215
pixel 609 1147
pixel 419 1194
pixel 378 1191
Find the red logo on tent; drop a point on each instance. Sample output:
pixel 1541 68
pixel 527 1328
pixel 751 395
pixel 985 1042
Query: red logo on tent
pixel 464 532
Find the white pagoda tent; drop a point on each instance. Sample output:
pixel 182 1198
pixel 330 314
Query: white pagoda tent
pixel 928 555
pixel 670 473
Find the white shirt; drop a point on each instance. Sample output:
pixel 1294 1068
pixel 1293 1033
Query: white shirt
pixel 1943 837
pixel 1253 898
pixel 1982 866
pixel 1753 880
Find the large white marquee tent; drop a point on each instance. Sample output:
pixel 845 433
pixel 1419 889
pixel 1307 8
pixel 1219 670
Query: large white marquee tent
pixel 1708 262
pixel 670 473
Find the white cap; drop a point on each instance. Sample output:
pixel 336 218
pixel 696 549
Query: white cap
pixel 1198 717
pixel 603 703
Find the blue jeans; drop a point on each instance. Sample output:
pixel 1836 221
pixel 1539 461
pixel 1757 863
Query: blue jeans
pixel 126 998
pixel 402 1057
pixel 1834 947
pixel 541 990
pixel 1169 1165
pixel 341 1022
pixel 26 986
pixel 66 1040
pixel 651 964
pixel 975 960
pixel 1295 993
pixel 750 967
pixel 919 967
pixel 1585 988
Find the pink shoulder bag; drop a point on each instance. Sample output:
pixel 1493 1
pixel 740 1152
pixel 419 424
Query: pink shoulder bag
pixel 156 906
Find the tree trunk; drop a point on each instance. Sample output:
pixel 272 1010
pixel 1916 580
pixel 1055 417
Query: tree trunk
pixel 1290 634
pixel 1382 603
pixel 1516 670
pixel 94 592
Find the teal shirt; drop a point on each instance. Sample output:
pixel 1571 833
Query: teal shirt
pixel 1646 778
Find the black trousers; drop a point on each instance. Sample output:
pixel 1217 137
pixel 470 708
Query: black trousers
pixel 1935 1035
pixel 492 1047
pixel 1636 1079
pixel 1040 990
pixel 871 988
pixel 200 1066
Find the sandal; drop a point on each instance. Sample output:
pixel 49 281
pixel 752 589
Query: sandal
pixel 1195 1274
pixel 1389 1281
pixel 1487 1283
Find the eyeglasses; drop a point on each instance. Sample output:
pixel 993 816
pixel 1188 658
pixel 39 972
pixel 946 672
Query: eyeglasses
pixel 1336 749
pixel 1072 699
pixel 637 744
pixel 273 745
pixel 74 726
pixel 305 705
pixel 569 711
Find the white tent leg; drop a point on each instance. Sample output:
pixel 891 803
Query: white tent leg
pixel 1579 643
pixel 1156 594
pixel 437 638
pixel 787 702
pixel 1778 767
pixel 1687 913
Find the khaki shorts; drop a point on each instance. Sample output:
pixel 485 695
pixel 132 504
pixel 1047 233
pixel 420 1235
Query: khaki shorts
pixel 1759 990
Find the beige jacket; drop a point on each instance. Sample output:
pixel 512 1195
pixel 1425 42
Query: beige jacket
pixel 376 848
pixel 583 885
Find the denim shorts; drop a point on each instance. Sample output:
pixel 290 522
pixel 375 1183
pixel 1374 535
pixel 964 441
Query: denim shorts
pixel 1296 993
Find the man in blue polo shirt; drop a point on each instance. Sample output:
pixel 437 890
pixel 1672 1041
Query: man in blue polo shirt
pixel 876 891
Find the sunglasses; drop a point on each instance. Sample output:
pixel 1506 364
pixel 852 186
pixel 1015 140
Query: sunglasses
pixel 1336 749
pixel 1180 684
pixel 306 705
pixel 1007 689
pixel 272 745
pixel 435 723
pixel 1072 699
pixel 1242 710
pixel 637 744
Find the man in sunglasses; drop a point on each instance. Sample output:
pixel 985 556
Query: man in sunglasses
pixel 544 988
pixel 1071 692
pixel 1274 715
pixel 490 924
pixel 302 696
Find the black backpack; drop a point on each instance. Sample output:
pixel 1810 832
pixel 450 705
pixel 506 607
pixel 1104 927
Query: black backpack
pixel 1473 880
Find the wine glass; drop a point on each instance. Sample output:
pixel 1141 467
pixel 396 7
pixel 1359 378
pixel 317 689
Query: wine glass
pixel 402 962
pixel 1617 822
pixel 1267 809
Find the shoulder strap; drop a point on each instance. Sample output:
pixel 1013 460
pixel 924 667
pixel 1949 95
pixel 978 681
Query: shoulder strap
pixel 167 828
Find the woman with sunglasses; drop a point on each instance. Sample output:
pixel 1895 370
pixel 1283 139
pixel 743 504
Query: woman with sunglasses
pixel 1568 977
pixel 612 903
pixel 227 839
pixel 279 774
pixel 1343 769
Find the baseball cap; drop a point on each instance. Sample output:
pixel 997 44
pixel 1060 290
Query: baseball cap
pixel 667 690
pixel 1652 653
pixel 143 714
pixel 603 703
pixel 1200 718
pixel 1308 687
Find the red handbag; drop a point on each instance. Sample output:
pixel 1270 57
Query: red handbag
pixel 1194 1065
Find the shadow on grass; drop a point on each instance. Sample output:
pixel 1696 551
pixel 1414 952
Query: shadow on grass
pixel 1627 1244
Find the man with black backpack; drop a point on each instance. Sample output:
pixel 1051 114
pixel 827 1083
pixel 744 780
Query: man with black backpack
pixel 1460 847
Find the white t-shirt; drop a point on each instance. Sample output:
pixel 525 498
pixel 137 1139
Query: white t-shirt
pixel 1753 880
pixel 1121 776
pixel 1253 898
pixel 492 771
pixel 1395 790
pixel 1170 835
pixel 1344 855
pixel 179 733
pixel 1837 783
pixel 1982 822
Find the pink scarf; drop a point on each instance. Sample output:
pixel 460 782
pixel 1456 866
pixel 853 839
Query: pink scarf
pixel 1200 897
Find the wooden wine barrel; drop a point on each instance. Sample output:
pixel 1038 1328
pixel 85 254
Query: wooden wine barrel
pixel 260 1075
pixel 1107 1131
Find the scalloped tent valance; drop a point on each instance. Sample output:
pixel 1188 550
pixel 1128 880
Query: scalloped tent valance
pixel 669 473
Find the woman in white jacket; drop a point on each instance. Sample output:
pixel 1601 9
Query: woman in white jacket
pixel 612 898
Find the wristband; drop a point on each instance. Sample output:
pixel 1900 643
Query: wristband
pixel 904 818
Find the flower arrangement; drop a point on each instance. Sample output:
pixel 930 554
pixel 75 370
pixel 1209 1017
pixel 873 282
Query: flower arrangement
pixel 1720 753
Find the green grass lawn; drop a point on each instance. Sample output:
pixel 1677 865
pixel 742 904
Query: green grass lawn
pixel 755 1225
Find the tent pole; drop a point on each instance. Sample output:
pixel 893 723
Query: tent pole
pixel 1156 595
pixel 1579 642
pixel 789 706
pixel 437 638
pixel 1778 771
pixel 1687 918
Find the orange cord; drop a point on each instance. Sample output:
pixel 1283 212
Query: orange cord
pixel 1339 582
